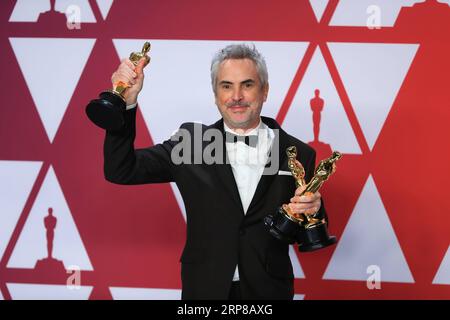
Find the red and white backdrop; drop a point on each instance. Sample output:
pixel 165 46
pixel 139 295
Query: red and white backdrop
pixel 382 69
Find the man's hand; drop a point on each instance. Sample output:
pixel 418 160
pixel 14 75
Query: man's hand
pixel 308 204
pixel 131 75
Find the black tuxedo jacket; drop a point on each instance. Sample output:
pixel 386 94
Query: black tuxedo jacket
pixel 219 235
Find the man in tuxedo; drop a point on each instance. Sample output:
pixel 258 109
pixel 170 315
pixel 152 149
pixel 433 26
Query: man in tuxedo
pixel 229 253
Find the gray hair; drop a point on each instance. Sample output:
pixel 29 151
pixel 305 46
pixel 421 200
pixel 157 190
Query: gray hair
pixel 239 51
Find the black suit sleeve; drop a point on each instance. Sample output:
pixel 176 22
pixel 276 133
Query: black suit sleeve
pixel 125 165
pixel 309 173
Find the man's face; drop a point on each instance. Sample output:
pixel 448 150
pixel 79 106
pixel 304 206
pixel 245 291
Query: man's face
pixel 239 95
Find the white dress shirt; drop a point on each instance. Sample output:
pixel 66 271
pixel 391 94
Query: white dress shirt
pixel 131 106
pixel 247 164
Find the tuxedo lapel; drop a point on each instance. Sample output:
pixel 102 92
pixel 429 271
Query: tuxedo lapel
pixel 225 172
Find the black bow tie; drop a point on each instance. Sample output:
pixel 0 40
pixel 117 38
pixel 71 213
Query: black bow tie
pixel 251 141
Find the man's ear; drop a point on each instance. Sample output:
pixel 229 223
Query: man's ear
pixel 215 99
pixel 266 91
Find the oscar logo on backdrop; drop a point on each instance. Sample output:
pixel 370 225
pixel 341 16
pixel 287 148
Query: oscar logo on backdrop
pixel 413 19
pixel 308 230
pixel 52 17
pixel 50 264
pixel 317 104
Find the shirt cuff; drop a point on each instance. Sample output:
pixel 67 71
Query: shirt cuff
pixel 131 106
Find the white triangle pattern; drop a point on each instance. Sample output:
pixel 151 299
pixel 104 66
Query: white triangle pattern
pixel 32 243
pixel 373 74
pixel 22 291
pixel 52 68
pixel 368 239
pixel 28 10
pixel 105 6
pixel 443 274
pixel 355 12
pixel 123 293
pixel 16 181
pixel 335 128
pixel 318 8
pixel 298 271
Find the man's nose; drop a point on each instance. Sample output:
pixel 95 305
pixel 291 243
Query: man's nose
pixel 237 94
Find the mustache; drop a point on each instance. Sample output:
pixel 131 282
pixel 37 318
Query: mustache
pixel 237 103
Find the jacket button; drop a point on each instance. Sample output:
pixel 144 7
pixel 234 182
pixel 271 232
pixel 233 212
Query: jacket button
pixel 241 232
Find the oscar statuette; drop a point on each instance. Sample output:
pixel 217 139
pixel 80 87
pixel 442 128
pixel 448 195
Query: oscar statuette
pixel 308 230
pixel 107 111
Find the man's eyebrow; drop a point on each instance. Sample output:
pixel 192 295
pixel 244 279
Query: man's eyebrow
pixel 248 81
pixel 242 82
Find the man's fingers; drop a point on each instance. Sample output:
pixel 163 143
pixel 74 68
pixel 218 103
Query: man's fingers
pixel 127 62
pixel 140 67
pixel 310 197
pixel 299 190
pixel 303 208
pixel 309 204
pixel 127 69
pixel 123 76
pixel 297 199
pixel 307 197
pixel 129 74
